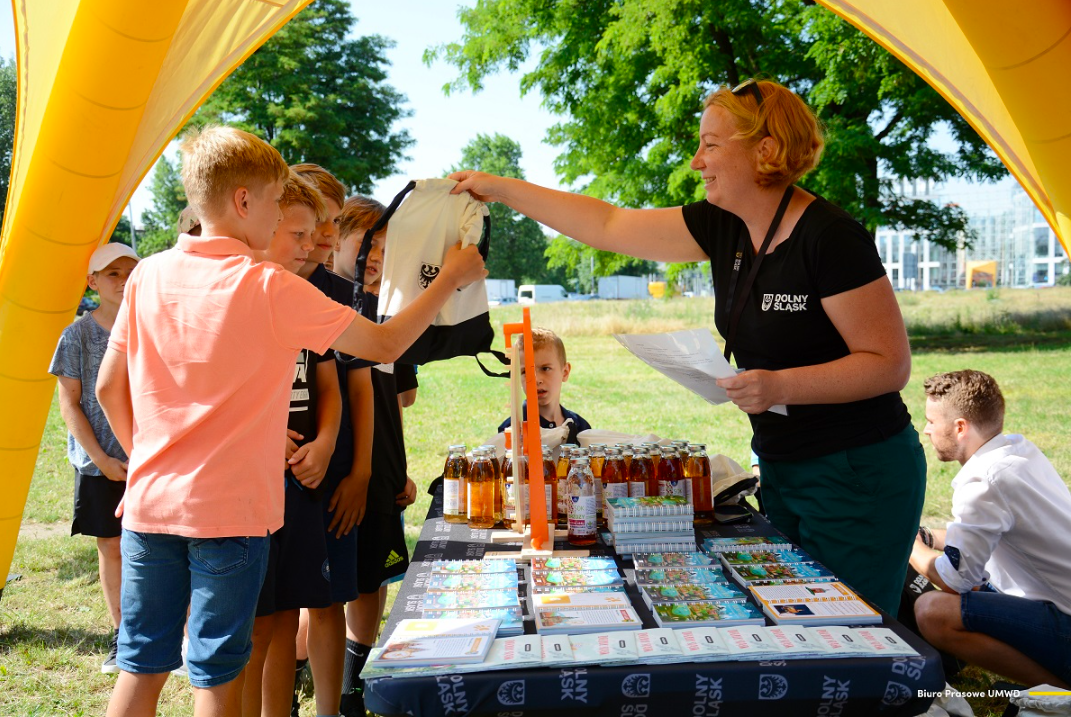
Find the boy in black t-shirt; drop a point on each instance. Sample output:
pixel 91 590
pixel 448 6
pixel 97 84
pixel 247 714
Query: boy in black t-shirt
pixel 295 577
pixel 382 554
pixel 552 370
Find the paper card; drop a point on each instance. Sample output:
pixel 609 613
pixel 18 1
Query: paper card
pixel 603 648
pixel 748 642
pixel 584 600
pixel 793 642
pixel 515 652
pixel 557 650
pixel 839 644
pixel 657 645
pixel 885 642
pixel 412 629
pixel 702 644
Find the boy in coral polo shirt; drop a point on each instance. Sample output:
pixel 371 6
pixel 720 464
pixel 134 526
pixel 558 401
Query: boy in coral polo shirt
pixel 196 385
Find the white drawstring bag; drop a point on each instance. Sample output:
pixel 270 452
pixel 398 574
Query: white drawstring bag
pixel 421 229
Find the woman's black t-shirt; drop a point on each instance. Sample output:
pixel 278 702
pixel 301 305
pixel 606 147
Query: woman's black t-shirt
pixel 784 326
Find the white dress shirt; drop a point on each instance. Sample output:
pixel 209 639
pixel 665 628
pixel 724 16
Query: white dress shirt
pixel 1012 524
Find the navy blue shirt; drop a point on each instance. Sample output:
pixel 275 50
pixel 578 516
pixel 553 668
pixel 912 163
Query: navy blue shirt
pixel 578 424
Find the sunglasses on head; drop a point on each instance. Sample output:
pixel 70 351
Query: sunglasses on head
pixel 751 85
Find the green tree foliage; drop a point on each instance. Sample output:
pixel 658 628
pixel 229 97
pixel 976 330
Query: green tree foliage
pixel 319 95
pixel 168 201
pixel 517 242
pixel 8 103
pixel 628 78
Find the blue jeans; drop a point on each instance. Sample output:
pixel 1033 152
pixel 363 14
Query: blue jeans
pixel 219 579
pixel 1039 630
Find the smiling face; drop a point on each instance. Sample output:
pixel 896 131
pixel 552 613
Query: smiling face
pixel 728 166
pixel 292 241
pixel 110 281
pixel 325 237
pixel 550 375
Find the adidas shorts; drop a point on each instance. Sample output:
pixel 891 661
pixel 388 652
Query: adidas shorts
pixel 381 551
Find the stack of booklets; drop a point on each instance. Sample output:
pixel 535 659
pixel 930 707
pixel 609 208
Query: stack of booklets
pixel 425 643
pixel 651 524
pixel 714 546
pixel 657 588
pixel 657 646
pixel 584 612
pixel 780 574
pixel 826 603
pixel 475 589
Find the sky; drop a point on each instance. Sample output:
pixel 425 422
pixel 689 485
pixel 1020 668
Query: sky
pixel 441 125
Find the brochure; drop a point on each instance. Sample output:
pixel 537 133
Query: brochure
pixel 703 644
pixel 468 567
pixel 781 573
pixel 828 603
pixel 700 614
pixel 567 563
pixel 437 642
pixel 443 582
pixel 677 576
pixel 647 507
pixel 755 542
pixel 604 648
pixel 692 592
pixel 669 560
pixel 749 643
pixel 470 600
pixel 731 558
pixel 546 578
pixel 577 621
pixel 658 646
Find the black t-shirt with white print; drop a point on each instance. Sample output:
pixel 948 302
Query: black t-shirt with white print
pixel 784 326
pixel 303 403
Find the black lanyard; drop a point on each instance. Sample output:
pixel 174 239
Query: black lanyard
pixel 736 306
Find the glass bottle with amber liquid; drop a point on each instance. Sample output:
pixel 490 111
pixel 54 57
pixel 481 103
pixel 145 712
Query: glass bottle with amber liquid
pixel 482 479
pixel 500 487
pixel 697 472
pixel 455 494
pixel 513 492
pixel 641 476
pixel 671 473
pixel 614 478
pixel 582 509
pixel 597 451
pixel 550 488
pixel 562 469
pixel 626 453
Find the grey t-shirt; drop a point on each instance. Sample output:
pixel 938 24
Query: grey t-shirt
pixel 78 355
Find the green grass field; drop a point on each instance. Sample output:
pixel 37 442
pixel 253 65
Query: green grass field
pixel 53 625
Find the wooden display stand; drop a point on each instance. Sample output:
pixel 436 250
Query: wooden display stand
pixel 537 541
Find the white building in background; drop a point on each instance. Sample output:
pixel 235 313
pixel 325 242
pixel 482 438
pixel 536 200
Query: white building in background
pixel 1008 229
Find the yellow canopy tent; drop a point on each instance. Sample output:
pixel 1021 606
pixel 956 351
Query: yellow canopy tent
pixel 105 84
pixel 982 274
pixel 103 87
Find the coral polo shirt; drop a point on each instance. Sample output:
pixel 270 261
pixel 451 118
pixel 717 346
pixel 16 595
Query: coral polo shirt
pixel 211 339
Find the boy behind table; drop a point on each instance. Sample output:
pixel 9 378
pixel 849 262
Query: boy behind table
pixel 295 577
pixel 552 370
pixel 97 458
pixel 382 553
pixel 196 386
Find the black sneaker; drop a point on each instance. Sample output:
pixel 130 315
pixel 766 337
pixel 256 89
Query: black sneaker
pixel 109 667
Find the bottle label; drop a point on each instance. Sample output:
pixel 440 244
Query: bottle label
pixel 551 508
pixel 688 489
pixel 671 487
pixel 599 500
pixel 613 490
pixel 450 496
pixel 637 489
pixel 509 504
pixel 582 515
pixel 468 490
pixel 563 497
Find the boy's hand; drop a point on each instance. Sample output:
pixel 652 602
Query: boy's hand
pixel 463 266
pixel 291 446
pixel 309 462
pixel 113 469
pixel 348 504
pixel 408 496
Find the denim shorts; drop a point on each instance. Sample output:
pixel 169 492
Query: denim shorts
pixel 1039 630
pixel 217 578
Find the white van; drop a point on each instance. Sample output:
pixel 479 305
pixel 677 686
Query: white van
pixel 540 293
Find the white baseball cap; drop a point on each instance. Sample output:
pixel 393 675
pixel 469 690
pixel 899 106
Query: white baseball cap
pixel 107 253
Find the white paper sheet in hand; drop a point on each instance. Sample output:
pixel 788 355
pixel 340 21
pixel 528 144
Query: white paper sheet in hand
pixel 691 358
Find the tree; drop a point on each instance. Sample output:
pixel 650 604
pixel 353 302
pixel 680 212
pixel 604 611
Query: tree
pixel 169 199
pixel 517 242
pixel 628 77
pixel 318 95
pixel 8 107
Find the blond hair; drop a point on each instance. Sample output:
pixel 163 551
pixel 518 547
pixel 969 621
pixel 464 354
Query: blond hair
pixel 970 394
pixel 298 191
pixel 216 161
pixel 783 116
pixel 358 215
pixel 542 338
pixel 323 180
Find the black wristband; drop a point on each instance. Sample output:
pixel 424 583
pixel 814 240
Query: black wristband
pixel 926 536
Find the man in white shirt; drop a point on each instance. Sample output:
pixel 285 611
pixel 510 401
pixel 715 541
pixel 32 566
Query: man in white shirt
pixel 1004 564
